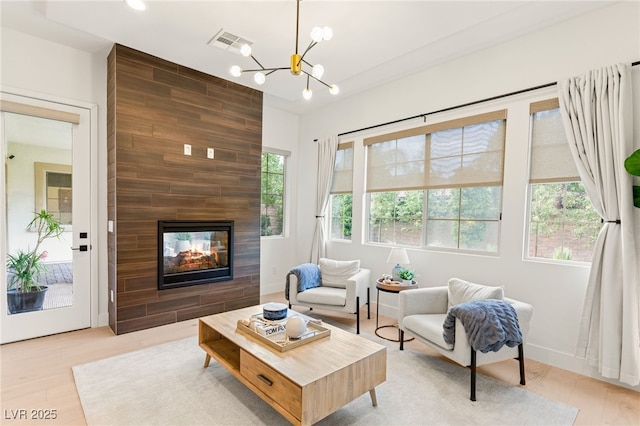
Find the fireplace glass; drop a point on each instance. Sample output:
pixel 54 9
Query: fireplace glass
pixel 194 252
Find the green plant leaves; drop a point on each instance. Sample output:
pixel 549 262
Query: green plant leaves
pixel 632 163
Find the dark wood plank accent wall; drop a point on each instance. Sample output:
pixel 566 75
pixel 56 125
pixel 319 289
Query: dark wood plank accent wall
pixel 154 108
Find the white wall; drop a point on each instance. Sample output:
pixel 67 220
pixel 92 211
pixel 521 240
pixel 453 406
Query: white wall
pixel 55 72
pixel 603 37
pixel 277 254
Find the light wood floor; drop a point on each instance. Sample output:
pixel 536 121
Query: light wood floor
pixel 36 374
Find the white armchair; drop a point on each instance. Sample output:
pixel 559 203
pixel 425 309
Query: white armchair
pixel 343 286
pixel 422 313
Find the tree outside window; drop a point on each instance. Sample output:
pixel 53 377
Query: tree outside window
pixel 341 216
pixel 272 198
pixel 396 218
pixel 563 224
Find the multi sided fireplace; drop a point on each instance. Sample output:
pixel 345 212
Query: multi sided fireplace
pixel 194 252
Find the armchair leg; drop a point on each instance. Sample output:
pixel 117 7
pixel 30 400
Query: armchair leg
pixel 368 305
pixel 473 374
pixel 401 340
pixel 357 315
pixel 521 360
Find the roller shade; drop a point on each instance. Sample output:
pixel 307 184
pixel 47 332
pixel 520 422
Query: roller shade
pixel 551 160
pixel 459 153
pixel 343 170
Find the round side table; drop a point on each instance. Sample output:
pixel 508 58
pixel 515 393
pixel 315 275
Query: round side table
pixel 390 288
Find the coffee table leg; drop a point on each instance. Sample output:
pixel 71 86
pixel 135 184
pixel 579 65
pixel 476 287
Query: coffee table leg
pixel 374 400
pixel 206 360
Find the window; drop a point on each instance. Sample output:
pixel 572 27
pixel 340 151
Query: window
pixel 396 218
pixel 272 193
pixel 563 224
pixel 53 190
pixel 342 194
pixel 439 185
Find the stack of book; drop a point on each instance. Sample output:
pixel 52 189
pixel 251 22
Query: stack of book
pixel 267 327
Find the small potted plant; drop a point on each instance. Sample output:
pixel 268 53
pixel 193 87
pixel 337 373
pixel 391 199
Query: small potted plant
pixel 24 292
pixel 406 275
pixel 632 165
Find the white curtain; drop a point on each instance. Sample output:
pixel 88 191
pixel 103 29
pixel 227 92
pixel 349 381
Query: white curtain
pixel 596 110
pixel 327 148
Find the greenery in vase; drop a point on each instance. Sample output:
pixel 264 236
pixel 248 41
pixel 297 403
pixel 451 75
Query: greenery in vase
pixel 26 266
pixel 632 165
pixel 406 274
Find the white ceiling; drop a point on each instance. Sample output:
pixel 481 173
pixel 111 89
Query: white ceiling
pixel 374 41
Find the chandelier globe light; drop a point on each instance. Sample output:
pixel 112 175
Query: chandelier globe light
pixel 297 62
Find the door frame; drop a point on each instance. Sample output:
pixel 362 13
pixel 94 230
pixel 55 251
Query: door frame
pixel 92 109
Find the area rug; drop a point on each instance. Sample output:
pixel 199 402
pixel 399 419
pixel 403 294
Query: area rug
pixel 167 385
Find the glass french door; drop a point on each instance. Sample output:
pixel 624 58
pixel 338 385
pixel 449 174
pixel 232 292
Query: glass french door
pixel 46 147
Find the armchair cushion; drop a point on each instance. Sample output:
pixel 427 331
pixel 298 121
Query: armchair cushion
pixel 324 296
pixel 461 291
pixel 429 326
pixel 335 273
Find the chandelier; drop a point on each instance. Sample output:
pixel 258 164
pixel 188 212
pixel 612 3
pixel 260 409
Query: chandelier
pixel 297 63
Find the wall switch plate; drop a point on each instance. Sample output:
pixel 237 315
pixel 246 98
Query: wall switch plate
pixel 110 226
pixel 111 295
pixel 210 153
pixel 187 149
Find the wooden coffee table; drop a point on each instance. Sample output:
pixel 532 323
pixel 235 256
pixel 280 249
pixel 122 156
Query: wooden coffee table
pixel 304 384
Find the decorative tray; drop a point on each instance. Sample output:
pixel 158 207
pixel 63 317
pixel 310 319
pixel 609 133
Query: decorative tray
pixel 274 334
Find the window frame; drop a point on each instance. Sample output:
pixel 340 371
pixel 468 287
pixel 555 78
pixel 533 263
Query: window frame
pixel 41 171
pixel 534 108
pixel 340 187
pixel 285 157
pixel 459 123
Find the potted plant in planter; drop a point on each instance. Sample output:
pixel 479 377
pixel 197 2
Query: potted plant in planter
pixel 24 293
pixel 632 165
pixel 406 275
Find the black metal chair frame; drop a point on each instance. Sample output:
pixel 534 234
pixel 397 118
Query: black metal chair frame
pixel 473 366
pixel 357 312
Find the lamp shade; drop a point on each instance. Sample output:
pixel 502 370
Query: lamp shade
pixel 398 255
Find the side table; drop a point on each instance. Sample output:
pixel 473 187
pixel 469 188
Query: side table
pixel 390 288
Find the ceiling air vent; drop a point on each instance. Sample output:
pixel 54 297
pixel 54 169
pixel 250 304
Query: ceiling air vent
pixel 227 41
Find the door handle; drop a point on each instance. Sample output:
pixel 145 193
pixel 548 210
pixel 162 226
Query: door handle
pixel 83 247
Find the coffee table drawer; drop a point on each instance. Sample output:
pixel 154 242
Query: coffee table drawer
pixel 280 389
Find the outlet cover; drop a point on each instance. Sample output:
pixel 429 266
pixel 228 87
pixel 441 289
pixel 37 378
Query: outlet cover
pixel 187 149
pixel 210 153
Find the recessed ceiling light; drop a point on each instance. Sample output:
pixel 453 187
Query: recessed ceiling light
pixel 136 4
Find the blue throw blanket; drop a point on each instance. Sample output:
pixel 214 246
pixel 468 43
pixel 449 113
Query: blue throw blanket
pixel 308 275
pixel 489 324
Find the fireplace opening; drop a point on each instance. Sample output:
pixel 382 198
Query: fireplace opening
pixel 194 252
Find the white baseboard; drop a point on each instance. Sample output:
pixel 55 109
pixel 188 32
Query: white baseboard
pixel 571 363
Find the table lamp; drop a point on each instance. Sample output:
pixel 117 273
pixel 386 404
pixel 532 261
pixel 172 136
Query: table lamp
pixel 398 255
